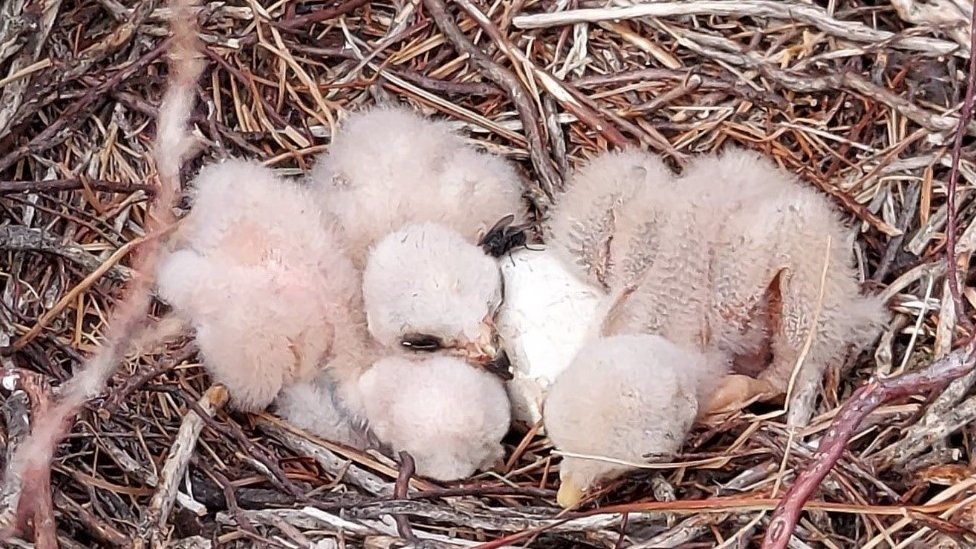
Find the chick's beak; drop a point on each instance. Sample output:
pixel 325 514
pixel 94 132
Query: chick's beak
pixel 569 494
pixel 484 349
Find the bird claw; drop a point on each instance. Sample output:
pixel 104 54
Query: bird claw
pixel 738 391
pixel 569 494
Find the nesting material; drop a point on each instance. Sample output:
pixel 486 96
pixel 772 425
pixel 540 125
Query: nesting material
pixel 546 316
pixel 263 279
pixel 448 415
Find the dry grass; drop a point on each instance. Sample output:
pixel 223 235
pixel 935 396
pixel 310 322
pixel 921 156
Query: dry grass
pixel 853 97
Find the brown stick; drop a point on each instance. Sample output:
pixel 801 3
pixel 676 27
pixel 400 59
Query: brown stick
pixel 155 516
pixel 400 490
pixel 865 400
pixel 30 467
pixel 964 117
pixel 318 16
pixel 53 185
pixel 507 80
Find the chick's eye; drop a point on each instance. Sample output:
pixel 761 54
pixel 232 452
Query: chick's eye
pixel 421 342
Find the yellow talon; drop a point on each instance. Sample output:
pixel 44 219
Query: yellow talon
pixel 569 495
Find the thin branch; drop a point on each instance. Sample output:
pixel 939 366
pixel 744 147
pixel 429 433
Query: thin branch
pixel 865 400
pixel 506 79
pixel 318 16
pixel 952 261
pixel 156 515
pixel 400 491
pixel 791 11
pixel 54 185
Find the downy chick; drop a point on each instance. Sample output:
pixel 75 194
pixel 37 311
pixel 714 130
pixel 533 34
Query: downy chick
pixel 426 289
pixel 263 279
pixel 783 275
pixel 390 166
pixel 448 415
pixel 407 191
pixel 729 257
pixel 626 398
pixel 727 260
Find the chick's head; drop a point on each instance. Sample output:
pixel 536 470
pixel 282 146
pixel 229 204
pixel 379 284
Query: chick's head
pixel 448 415
pixel 626 399
pixel 426 288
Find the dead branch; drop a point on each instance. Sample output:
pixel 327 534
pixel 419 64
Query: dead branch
pixel 864 401
pixel 30 466
pixel 16 237
pixel 54 185
pixel 506 79
pixel 400 491
pixel 174 467
pixel 952 260
pixel 790 11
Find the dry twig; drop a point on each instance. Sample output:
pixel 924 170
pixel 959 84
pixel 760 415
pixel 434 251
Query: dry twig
pixel 864 401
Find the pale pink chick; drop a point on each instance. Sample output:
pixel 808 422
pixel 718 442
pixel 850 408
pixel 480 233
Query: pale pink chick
pixel 627 398
pixel 426 289
pixel 390 166
pixel 449 416
pixel 262 277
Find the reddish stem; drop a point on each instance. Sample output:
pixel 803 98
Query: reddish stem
pixel 964 117
pixel 864 401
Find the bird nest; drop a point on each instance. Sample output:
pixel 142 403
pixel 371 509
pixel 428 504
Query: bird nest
pixel 860 99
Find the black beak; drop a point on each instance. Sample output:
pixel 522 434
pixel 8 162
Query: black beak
pixel 500 366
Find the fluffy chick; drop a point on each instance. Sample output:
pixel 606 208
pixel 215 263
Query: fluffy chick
pixel 729 256
pixel 263 279
pixel 391 170
pixel 390 166
pixel 320 406
pixel 627 398
pixel 782 274
pixel 448 415
pixel 425 289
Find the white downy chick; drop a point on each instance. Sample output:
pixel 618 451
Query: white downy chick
pixel 449 416
pixel 630 398
pixel 321 407
pixel 545 319
pixel 263 279
pixel 390 166
pixel 426 289
pixel 776 284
